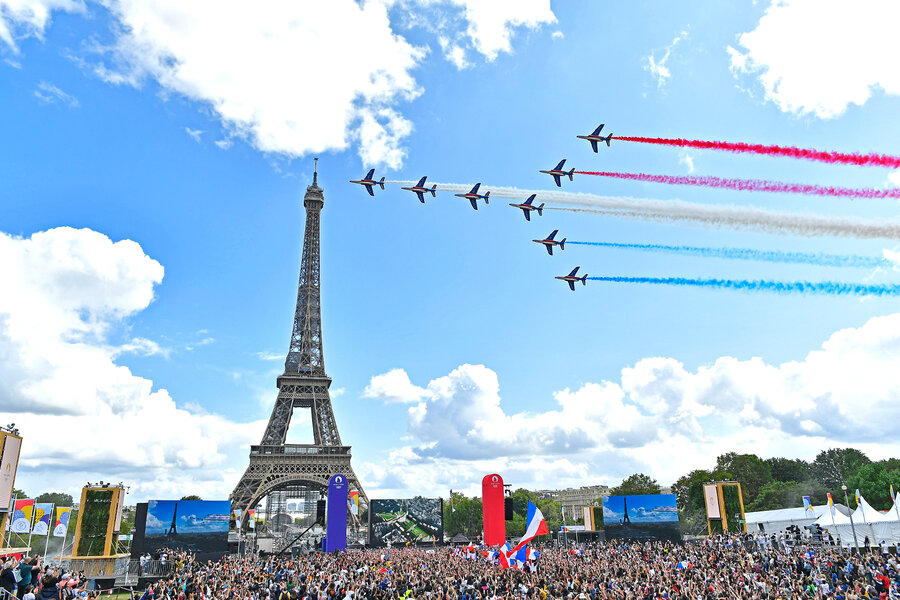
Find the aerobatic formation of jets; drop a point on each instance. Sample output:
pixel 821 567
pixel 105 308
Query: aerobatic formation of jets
pixel 527 207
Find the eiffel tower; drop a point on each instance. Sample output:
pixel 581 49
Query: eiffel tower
pixel 275 465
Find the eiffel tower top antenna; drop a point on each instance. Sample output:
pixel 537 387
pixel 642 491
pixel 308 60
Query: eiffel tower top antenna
pixel 315 172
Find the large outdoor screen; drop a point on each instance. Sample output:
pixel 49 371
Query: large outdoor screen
pixel 198 526
pixel 649 517
pixel 402 522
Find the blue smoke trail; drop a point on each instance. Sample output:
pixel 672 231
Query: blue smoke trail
pixel 808 258
pixel 832 288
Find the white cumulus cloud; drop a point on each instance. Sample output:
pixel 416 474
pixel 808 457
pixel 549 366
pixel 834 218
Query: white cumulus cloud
pixel 291 78
pixel 659 68
pixel 839 394
pixel 819 56
pixel 66 292
pixel 24 18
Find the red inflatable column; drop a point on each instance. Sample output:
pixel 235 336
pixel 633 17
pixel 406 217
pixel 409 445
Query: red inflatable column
pixel 492 507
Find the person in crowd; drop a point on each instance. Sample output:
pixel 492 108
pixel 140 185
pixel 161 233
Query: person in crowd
pixel 7 577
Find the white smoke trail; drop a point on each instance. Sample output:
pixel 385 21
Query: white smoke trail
pixel 729 216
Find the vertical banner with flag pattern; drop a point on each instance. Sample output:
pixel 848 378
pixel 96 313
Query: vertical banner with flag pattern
pixel 23 512
pixel 42 513
pixel 251 519
pixel 831 504
pixel 237 520
pixel 62 521
pixel 807 504
pixel 354 502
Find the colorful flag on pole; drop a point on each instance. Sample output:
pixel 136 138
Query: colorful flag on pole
pixel 23 511
pixel 893 496
pixel 831 504
pixel 237 519
pixel 807 503
pixel 857 497
pixel 42 512
pixel 251 519
pixel 534 526
pixel 61 524
pixel 354 502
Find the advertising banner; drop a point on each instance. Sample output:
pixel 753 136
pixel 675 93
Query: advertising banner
pixel 711 495
pixel 42 514
pixel 336 519
pixel 61 524
pixel 9 461
pixel 23 511
pixel 354 502
pixel 493 510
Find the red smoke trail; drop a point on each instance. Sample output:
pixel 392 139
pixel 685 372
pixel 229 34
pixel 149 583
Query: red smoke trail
pixel 753 185
pixel 862 160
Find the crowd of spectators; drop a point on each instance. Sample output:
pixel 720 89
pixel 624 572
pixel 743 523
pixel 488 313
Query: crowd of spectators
pixel 30 579
pixel 719 568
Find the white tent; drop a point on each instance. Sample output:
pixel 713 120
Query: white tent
pixel 773 521
pixel 867 523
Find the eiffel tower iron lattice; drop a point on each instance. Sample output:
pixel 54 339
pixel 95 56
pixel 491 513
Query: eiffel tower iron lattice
pixel 275 464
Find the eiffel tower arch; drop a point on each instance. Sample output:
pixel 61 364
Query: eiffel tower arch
pixel 274 464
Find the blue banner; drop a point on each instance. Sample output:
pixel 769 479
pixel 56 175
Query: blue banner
pixel 336 523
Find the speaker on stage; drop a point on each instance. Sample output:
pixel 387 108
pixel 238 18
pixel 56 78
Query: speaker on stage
pixel 320 511
pixel 507 509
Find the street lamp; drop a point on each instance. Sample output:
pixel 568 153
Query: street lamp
pixel 852 527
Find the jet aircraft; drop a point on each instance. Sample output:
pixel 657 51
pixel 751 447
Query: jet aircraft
pixel 420 189
pixel 369 182
pixel 474 196
pixel 559 172
pixel 571 278
pixel 596 137
pixel 527 207
pixel 549 242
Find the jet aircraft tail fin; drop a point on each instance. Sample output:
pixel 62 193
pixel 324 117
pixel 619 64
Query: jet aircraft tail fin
pixel 381 183
pixel 486 196
pixel 433 191
pixel 540 210
pixel 562 244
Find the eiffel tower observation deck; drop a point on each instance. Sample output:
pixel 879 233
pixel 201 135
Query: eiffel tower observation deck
pixel 276 466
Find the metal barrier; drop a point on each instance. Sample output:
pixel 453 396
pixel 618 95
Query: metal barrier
pixel 4 595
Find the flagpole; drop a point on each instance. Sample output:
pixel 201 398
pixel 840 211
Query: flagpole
pixel 9 520
pixel 31 524
pixel 47 537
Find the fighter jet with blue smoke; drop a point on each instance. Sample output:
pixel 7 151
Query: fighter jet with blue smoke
pixel 527 207
pixel 596 137
pixel 420 189
pixel 549 242
pixel 369 182
pixel 558 172
pixel 474 196
pixel 571 278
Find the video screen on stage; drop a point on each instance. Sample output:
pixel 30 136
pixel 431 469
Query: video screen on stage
pixel 401 522
pixel 646 517
pixel 198 526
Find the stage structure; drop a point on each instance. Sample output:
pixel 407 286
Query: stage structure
pixel 276 466
pixel 724 507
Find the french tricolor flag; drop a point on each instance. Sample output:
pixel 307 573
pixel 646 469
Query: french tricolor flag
pixel 535 526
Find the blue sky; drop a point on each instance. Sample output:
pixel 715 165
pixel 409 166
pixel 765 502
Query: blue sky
pixel 190 131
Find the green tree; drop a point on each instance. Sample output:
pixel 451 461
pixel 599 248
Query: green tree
pixel 788 494
pixel 832 467
pixel 191 497
pixel 874 483
pixel 748 469
pixel 788 469
pixel 636 484
pixel 57 498
pixel 463 515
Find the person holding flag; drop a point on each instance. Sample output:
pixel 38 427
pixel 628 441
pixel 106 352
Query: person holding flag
pixel 535 525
